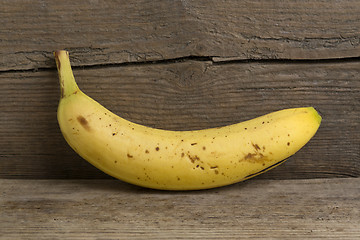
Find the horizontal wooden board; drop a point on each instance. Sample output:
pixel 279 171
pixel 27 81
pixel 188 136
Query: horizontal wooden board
pixel 107 209
pixel 107 32
pixel 184 95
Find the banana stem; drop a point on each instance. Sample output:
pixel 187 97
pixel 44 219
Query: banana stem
pixel 68 85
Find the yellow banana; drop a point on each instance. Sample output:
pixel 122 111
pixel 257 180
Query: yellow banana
pixel 177 160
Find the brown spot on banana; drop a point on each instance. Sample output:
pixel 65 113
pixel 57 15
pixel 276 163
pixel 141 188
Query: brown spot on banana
pixel 193 158
pixel 84 123
pixel 250 156
pixel 56 54
pixel 256 146
pixel 256 157
pixel 58 65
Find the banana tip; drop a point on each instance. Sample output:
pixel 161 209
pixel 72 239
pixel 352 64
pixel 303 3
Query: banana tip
pixel 60 56
pixel 316 114
pixel 59 53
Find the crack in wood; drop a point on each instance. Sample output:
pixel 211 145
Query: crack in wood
pixel 215 60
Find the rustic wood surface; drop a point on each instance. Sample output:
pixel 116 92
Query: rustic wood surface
pixel 181 64
pixel 109 209
pixel 184 95
pixel 103 32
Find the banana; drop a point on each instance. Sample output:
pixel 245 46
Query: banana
pixel 177 160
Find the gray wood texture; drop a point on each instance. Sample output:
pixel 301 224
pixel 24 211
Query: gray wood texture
pixel 103 32
pixel 108 209
pixel 180 96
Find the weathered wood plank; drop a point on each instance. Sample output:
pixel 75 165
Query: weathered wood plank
pixel 183 96
pixel 107 209
pixel 105 32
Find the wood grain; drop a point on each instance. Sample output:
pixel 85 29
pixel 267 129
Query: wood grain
pixel 107 209
pixel 184 95
pixel 108 32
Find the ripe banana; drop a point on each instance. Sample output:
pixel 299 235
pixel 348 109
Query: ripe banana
pixel 177 160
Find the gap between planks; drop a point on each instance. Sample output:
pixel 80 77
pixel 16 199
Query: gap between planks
pixel 215 60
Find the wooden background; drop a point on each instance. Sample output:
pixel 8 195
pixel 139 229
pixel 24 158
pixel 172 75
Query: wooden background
pixel 182 65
